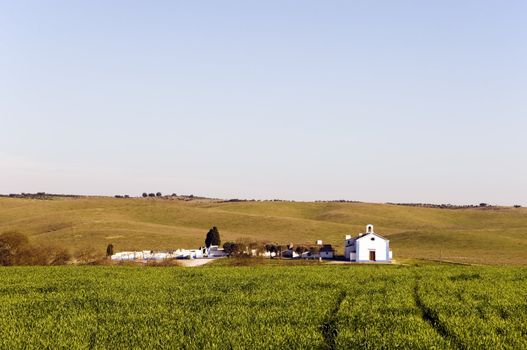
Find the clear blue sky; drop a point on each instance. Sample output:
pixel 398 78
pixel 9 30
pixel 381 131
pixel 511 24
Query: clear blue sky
pixel 407 101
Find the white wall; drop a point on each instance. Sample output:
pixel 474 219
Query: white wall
pixel 348 250
pixel 326 255
pixel 125 256
pixel 366 244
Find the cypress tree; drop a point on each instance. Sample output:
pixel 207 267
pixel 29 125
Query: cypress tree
pixel 109 250
pixel 213 237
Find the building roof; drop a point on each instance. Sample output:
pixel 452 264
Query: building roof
pixel 327 248
pixel 372 233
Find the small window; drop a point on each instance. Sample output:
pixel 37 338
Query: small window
pixel 373 238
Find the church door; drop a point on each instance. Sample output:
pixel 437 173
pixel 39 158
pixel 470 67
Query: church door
pixel 372 255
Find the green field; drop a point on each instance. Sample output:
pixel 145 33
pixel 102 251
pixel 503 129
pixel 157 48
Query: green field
pixel 275 307
pixel 488 236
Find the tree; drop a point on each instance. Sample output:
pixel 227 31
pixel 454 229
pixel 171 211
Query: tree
pixel 151 195
pixel 269 248
pixel 300 250
pixel 159 194
pixel 314 250
pixel 16 250
pixel 145 194
pixel 212 237
pixel 232 248
pixel 274 248
pixel 251 247
pixel 109 250
pixel 279 250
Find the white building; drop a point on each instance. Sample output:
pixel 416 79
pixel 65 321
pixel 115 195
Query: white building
pixel 290 253
pixel 147 255
pixel 196 253
pixel 327 252
pixel 215 252
pixel 367 247
pixel 127 256
pixel 188 254
pixel 269 254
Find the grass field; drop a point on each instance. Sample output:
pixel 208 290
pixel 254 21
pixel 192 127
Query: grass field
pixel 488 236
pixel 302 307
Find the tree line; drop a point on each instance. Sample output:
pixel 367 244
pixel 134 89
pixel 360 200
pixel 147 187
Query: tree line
pixel 245 247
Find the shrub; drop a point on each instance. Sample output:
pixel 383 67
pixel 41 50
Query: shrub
pixel 59 256
pixel 16 250
pixel 42 255
pixel 12 246
pixel 86 256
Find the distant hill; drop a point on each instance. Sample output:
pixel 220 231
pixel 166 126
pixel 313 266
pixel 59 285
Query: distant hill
pixel 489 235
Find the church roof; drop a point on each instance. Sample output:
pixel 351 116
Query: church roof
pixel 371 233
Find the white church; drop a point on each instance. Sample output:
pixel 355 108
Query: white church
pixel 368 247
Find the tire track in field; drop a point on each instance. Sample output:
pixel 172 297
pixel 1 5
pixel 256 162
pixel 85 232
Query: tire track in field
pixel 93 335
pixel 329 328
pixel 432 318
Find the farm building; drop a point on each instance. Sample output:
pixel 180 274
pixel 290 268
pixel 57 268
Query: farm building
pixel 215 252
pixel 188 254
pixel 269 254
pixel 326 252
pixel 367 247
pixel 290 253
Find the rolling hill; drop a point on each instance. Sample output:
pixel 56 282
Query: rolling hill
pixel 496 235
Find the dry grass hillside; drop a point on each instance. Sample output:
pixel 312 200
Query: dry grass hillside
pixel 477 235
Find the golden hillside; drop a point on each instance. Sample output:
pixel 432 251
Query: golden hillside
pixel 477 235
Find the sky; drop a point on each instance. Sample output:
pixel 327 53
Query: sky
pixel 376 101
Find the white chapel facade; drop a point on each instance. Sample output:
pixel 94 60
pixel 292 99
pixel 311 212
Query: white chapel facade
pixel 367 247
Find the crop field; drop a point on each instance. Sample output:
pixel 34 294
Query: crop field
pixel 303 307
